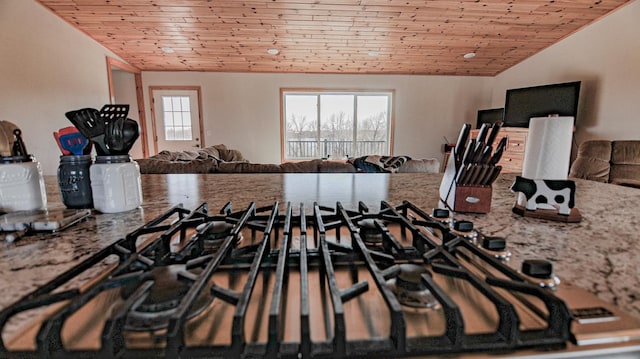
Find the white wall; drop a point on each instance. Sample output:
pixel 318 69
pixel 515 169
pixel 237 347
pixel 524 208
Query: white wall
pixel 243 111
pixel 48 68
pixel 605 56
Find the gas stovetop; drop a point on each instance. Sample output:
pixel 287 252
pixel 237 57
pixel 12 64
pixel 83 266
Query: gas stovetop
pixel 321 282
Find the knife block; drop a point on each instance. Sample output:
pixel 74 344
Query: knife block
pixel 470 199
pixel 474 199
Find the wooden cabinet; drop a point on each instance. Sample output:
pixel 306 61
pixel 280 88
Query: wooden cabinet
pixel 513 155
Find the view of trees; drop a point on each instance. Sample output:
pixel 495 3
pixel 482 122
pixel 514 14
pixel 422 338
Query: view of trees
pixel 336 133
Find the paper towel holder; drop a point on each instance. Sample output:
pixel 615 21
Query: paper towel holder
pixel 553 200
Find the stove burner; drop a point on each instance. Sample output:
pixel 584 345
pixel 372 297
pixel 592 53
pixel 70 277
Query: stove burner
pixel 215 234
pixel 369 233
pixel 164 296
pixel 410 290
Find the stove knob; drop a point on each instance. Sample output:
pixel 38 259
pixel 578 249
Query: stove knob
pixel 494 243
pixel 537 268
pixel 463 226
pixel 440 213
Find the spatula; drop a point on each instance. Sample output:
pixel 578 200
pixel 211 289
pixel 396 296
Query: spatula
pixel 64 131
pixel 91 125
pixel 120 135
pixel 112 112
pixel 74 143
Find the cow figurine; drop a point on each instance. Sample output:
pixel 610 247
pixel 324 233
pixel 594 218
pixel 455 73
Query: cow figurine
pixel 548 194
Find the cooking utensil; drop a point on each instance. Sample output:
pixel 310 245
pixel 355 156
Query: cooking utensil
pixel 65 131
pixel 91 125
pixel 120 135
pixel 112 112
pixel 74 143
pixel 19 149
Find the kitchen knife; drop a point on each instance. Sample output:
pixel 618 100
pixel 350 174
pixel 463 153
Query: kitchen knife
pixel 465 175
pixel 462 140
pixel 481 174
pixel 477 152
pixel 468 153
pixel 486 176
pixel 461 173
pixel 482 134
pixel 485 156
pixel 473 173
pixel 494 133
pixel 494 174
pixel 498 153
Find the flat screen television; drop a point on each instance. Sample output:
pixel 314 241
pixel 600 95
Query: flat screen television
pixel 524 103
pixel 489 116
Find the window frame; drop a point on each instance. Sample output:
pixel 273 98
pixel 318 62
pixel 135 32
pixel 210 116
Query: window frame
pixel 329 91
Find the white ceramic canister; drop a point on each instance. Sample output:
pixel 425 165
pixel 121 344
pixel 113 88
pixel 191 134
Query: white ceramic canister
pixel 115 184
pixel 21 184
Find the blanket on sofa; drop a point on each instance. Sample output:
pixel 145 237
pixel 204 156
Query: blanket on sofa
pixel 377 164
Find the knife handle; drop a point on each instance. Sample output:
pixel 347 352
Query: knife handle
pixel 494 132
pixel 472 176
pixel 462 140
pixel 477 152
pixel 486 176
pixel 465 175
pixel 469 152
pixel 486 155
pixel 482 134
pixel 498 152
pixel 494 175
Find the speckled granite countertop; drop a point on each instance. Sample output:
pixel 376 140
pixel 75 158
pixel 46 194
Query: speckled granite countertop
pixel 600 253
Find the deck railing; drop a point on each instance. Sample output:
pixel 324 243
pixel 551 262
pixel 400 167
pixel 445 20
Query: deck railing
pixel 301 149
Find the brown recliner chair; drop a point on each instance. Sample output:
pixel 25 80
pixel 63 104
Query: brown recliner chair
pixel 616 162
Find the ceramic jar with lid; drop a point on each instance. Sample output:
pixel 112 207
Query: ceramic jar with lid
pixel 115 184
pixel 21 184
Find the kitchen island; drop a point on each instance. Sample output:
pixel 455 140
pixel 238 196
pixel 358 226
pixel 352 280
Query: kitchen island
pixel 599 253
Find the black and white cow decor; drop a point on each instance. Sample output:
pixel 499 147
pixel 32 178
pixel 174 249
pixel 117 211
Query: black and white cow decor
pixel 548 194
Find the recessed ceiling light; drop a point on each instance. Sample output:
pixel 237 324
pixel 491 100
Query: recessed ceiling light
pixel 273 51
pixel 374 53
pixel 167 50
pixel 470 55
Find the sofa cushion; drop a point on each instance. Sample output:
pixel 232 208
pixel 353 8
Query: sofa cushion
pixel 301 167
pixel 335 167
pixel 427 165
pixel 246 167
pixel 592 162
pixel 154 165
pixel 625 174
pixel 625 153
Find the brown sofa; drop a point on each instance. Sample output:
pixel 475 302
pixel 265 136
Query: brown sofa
pixel 220 159
pixel 615 162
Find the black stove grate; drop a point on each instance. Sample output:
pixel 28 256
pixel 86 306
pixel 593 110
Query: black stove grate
pixel 181 238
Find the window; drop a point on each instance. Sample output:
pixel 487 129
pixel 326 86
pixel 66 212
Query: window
pixel 336 124
pixel 177 118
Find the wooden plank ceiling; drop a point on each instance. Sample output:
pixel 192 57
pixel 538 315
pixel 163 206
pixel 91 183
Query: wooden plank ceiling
pixel 329 36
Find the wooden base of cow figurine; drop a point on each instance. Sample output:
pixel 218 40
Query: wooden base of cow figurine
pixel 548 199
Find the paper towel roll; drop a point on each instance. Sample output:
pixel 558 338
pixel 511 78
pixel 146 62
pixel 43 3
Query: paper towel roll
pixel 548 150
